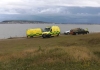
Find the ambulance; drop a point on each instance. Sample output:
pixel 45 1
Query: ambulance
pixel 51 31
pixel 33 32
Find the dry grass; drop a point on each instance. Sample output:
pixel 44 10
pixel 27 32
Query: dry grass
pixel 81 51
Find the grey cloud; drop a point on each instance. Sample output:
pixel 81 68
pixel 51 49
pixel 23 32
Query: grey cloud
pixel 55 10
pixel 46 6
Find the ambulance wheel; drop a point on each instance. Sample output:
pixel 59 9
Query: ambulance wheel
pixel 44 36
pixel 28 36
pixel 57 34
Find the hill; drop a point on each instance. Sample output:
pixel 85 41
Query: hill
pixel 21 22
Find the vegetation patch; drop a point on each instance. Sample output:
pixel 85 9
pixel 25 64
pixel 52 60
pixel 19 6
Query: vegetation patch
pixel 57 53
pixel 94 41
pixel 97 53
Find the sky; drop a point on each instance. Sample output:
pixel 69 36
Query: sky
pixel 63 11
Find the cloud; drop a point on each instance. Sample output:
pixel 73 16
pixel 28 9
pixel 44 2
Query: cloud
pixel 43 6
pixel 39 3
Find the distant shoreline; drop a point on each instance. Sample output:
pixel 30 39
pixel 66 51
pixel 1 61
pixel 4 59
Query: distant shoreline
pixel 37 22
pixel 48 23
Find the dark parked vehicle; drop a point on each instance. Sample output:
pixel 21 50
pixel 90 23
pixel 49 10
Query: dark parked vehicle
pixel 77 31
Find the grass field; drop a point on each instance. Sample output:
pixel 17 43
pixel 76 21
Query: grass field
pixel 66 52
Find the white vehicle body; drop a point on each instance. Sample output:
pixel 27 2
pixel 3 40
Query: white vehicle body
pixel 67 32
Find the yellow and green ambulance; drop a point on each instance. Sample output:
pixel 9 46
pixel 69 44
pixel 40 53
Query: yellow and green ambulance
pixel 36 32
pixel 51 31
